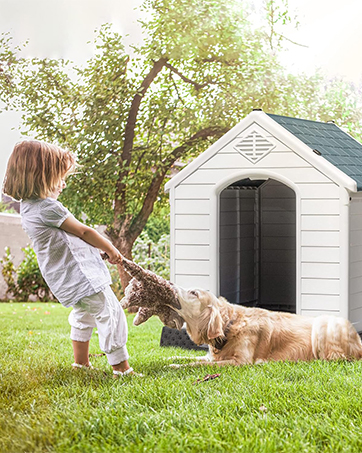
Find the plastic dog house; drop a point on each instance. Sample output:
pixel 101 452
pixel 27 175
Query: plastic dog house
pixel 271 216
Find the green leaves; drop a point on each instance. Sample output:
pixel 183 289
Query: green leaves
pixel 202 68
pixel 24 280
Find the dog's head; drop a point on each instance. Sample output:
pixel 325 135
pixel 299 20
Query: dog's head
pixel 201 311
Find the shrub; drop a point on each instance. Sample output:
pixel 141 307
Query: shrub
pixel 116 282
pixel 154 256
pixel 151 255
pixel 158 224
pixel 25 280
pixel 8 272
pixel 6 208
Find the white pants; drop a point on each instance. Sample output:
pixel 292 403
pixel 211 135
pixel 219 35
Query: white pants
pixel 103 311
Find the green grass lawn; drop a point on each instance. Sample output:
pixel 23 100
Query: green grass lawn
pixel 45 406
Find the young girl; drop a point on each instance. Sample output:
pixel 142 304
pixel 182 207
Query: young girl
pixel 67 251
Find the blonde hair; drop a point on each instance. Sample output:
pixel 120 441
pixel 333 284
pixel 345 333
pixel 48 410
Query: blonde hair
pixel 35 169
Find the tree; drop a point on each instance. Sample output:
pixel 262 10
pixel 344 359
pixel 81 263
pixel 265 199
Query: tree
pixel 202 67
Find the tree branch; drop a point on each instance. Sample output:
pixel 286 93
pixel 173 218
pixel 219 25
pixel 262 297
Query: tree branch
pixel 197 86
pixel 129 134
pixel 212 131
pixel 140 220
pixel 216 59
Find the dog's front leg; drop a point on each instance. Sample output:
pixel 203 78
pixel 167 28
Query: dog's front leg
pixel 246 351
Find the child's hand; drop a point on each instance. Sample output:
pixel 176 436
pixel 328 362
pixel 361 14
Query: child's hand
pixel 113 258
pixel 116 258
pixel 104 256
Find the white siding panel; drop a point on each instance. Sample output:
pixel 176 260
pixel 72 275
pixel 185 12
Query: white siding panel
pixel 272 160
pixel 192 222
pixel 189 237
pixel 298 175
pixel 191 191
pixel 192 206
pixel 320 302
pixel 356 222
pixel 356 206
pixel 319 286
pixel 355 263
pixel 320 238
pixel 192 252
pixel 193 281
pixel 320 223
pixel 315 313
pixel 355 254
pixel 355 286
pixel 355 238
pixel 320 206
pixel 192 267
pixel 321 190
pixel 320 254
pixel 207 176
pixel 355 301
pixel 301 175
pixel 355 270
pixel 355 317
pixel 320 270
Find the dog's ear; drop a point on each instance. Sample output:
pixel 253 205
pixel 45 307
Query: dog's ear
pixel 215 329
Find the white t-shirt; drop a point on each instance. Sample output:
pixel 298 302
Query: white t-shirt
pixel 72 268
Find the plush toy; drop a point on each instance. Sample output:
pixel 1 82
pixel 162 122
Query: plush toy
pixel 152 294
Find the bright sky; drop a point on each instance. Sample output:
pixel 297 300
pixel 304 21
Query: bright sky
pixel 62 28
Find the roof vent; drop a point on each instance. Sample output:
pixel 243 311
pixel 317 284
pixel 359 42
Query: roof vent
pixel 317 152
pixel 257 110
pixel 254 146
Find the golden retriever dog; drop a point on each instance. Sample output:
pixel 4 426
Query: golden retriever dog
pixel 239 335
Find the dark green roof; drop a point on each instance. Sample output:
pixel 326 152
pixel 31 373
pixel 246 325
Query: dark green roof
pixel 336 146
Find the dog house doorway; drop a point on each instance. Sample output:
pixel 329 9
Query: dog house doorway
pixel 258 244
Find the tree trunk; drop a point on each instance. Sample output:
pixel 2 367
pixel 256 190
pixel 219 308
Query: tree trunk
pixel 124 233
pixel 124 245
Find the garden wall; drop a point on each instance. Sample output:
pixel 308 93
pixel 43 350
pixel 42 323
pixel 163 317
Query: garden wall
pixel 11 235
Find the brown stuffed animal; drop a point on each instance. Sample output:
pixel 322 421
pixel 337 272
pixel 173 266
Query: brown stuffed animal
pixel 152 294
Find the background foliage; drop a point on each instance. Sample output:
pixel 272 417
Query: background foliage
pixel 24 280
pixel 202 67
pixel 130 117
pixel 6 208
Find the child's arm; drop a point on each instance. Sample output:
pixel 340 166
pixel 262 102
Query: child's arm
pixel 88 234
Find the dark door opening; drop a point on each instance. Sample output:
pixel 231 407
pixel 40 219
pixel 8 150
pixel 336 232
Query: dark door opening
pixel 258 244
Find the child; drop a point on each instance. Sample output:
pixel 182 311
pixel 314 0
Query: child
pixel 67 251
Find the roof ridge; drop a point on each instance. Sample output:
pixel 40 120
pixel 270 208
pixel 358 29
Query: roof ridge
pixel 272 115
